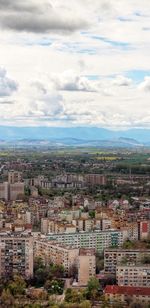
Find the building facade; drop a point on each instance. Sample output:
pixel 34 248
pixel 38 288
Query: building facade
pixel 16 255
pixel 127 294
pixel 99 240
pixel 86 266
pixel 52 252
pixel 137 276
pixel 114 257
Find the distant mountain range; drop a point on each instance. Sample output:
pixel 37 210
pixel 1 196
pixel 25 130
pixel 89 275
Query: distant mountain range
pixel 77 136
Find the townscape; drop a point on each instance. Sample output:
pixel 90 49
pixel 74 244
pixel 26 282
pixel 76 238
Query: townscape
pixel 74 228
pixel 75 154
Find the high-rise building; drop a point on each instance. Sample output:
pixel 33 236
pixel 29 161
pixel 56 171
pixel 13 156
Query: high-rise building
pixel 95 179
pixel 14 188
pixel 16 255
pixel 86 266
pixel 4 191
pixel 14 177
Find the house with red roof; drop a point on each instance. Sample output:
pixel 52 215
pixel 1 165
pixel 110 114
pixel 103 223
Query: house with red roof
pixel 127 294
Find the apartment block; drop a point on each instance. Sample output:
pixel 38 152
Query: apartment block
pixel 137 276
pixel 16 255
pixel 11 192
pixel 127 294
pixel 86 266
pixel 133 231
pixel 99 240
pixel 106 224
pixel 4 191
pixel 144 229
pixel 114 257
pixel 57 253
pixel 38 210
pixel 95 179
pixel 16 190
pixel 14 177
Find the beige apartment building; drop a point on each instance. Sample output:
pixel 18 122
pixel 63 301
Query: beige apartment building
pixel 57 253
pixel 14 177
pixel 137 276
pixel 114 257
pixel 54 226
pixel 95 179
pixel 4 191
pixel 14 188
pixel 16 255
pixel 16 191
pixel 86 266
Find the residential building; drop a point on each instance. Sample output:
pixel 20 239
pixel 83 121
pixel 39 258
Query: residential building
pixel 144 229
pixel 137 276
pixel 99 240
pixel 86 266
pixel 16 190
pixel 57 253
pixel 127 294
pixel 4 191
pixel 16 255
pixel 11 192
pixel 95 179
pixel 114 257
pixel 14 177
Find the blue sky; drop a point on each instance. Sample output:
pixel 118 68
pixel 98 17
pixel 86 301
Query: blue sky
pixel 138 75
pixel 73 62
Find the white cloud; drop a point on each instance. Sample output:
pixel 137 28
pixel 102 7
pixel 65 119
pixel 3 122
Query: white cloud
pixel 145 85
pixel 39 17
pixel 70 81
pixel 122 81
pixel 7 85
pixel 68 62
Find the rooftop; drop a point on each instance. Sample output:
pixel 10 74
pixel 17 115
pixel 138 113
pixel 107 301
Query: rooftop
pixel 127 290
pixel 87 252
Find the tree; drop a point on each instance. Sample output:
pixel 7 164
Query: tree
pixel 146 259
pixel 40 272
pixel 7 298
pixel 17 286
pixel 99 262
pixel 54 286
pixel 93 288
pixel 68 295
pixel 74 296
pixel 92 214
pixel 56 271
pixel 73 271
pixel 85 304
pixel 128 244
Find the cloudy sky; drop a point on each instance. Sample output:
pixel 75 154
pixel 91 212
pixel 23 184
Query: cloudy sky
pixel 75 63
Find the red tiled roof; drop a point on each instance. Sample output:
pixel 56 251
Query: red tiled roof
pixel 127 290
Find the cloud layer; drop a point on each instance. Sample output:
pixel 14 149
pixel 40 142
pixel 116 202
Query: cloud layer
pixel 7 85
pixel 68 63
pixel 38 17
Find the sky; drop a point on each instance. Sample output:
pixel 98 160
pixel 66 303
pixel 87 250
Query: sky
pixel 75 63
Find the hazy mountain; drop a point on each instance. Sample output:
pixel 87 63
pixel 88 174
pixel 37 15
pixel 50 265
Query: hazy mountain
pixel 74 134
